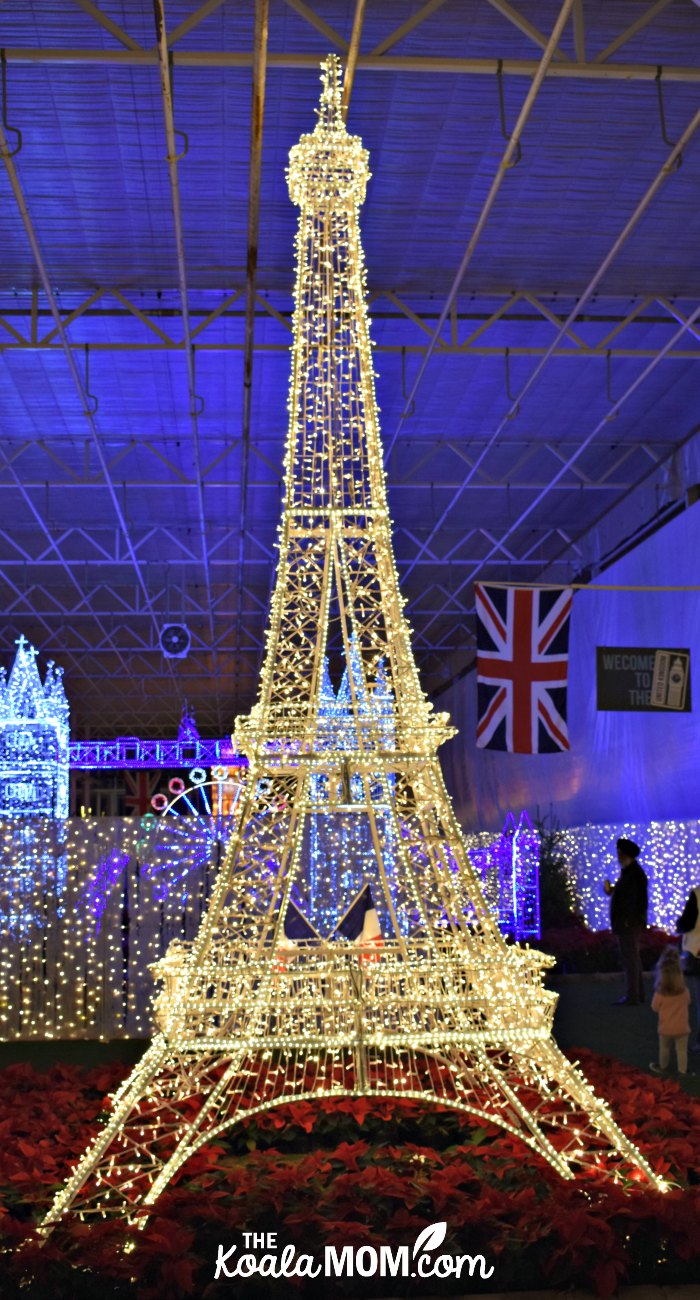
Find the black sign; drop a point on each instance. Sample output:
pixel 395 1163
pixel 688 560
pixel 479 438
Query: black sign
pixel 643 680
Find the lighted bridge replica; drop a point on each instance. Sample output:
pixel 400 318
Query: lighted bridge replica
pixel 37 752
pixel 133 752
pixel 444 1011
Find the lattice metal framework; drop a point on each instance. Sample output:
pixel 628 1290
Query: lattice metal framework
pixel 136 498
pixel 131 752
pixel 449 1014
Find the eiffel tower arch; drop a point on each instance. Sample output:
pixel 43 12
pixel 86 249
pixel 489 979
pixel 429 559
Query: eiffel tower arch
pixel 266 1006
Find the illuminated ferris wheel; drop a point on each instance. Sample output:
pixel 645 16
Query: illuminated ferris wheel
pixel 185 837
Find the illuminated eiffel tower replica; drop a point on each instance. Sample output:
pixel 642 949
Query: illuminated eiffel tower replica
pixel 260 1011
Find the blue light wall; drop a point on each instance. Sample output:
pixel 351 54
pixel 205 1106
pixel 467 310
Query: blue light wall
pixel 622 767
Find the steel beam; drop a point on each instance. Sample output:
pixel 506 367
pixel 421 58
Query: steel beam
pixel 523 25
pixel 667 169
pixel 121 610
pixel 562 556
pixel 406 28
pixel 639 23
pixel 390 349
pixel 109 25
pixel 143 672
pixel 352 57
pixel 315 20
pixel 513 308
pixel 75 374
pixel 406 484
pixel 55 619
pixel 21 487
pixel 656 464
pixel 568 464
pixel 27 615
pixel 421 65
pixel 194 19
pixel 504 165
pixel 579 21
pixel 257 117
pixel 173 155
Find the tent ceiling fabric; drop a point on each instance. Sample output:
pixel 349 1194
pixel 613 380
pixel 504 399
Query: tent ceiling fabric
pixel 101 528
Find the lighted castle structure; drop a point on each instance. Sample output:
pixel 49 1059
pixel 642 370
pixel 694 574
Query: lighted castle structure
pixel 341 848
pixel 34 735
pixel 510 875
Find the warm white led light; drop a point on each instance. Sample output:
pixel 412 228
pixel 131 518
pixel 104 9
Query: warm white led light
pixel 450 1014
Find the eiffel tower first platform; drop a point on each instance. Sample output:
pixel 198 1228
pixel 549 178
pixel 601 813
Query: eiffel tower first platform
pixel 258 1011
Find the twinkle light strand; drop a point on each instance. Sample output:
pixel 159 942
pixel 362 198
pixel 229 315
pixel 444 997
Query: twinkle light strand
pixel 670 855
pixel 34 736
pixel 86 905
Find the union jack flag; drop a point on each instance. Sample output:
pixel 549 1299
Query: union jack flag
pixel 139 786
pixel 522 639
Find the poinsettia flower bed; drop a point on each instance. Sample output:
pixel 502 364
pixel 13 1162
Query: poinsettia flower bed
pixel 579 950
pixel 351 1172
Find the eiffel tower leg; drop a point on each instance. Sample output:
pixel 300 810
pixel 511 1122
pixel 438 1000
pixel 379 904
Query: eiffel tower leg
pixel 171 1105
pixel 101 1174
pixel 536 1095
pixel 521 1119
pixel 231 1089
pixel 197 1132
pixel 586 1131
pixel 170 1094
pixel 544 1100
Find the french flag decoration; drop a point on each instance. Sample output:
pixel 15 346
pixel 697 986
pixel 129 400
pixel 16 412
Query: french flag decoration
pixel 361 924
pixel 296 930
pixel 522 668
pixel 296 926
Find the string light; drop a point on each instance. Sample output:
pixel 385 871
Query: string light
pixel 164 868
pixel 670 854
pixel 451 1013
pixel 34 733
pixel 86 907
pixel 509 868
pixel 341 850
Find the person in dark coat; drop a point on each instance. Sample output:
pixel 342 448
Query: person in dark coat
pixel 688 925
pixel 629 901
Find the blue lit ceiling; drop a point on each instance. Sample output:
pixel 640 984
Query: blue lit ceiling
pixel 142 514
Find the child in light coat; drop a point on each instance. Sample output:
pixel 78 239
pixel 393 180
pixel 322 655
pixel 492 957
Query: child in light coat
pixel 671 1001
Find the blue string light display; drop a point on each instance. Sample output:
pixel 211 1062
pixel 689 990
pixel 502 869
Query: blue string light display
pixel 34 736
pixel 341 852
pixel 510 872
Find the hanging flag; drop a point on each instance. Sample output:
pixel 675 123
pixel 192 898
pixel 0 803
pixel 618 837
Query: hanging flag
pixel 296 926
pixel 522 638
pixel 296 930
pixel 139 788
pixel 361 924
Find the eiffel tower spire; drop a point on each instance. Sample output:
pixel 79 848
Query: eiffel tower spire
pixel 336 519
pixel 260 1009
